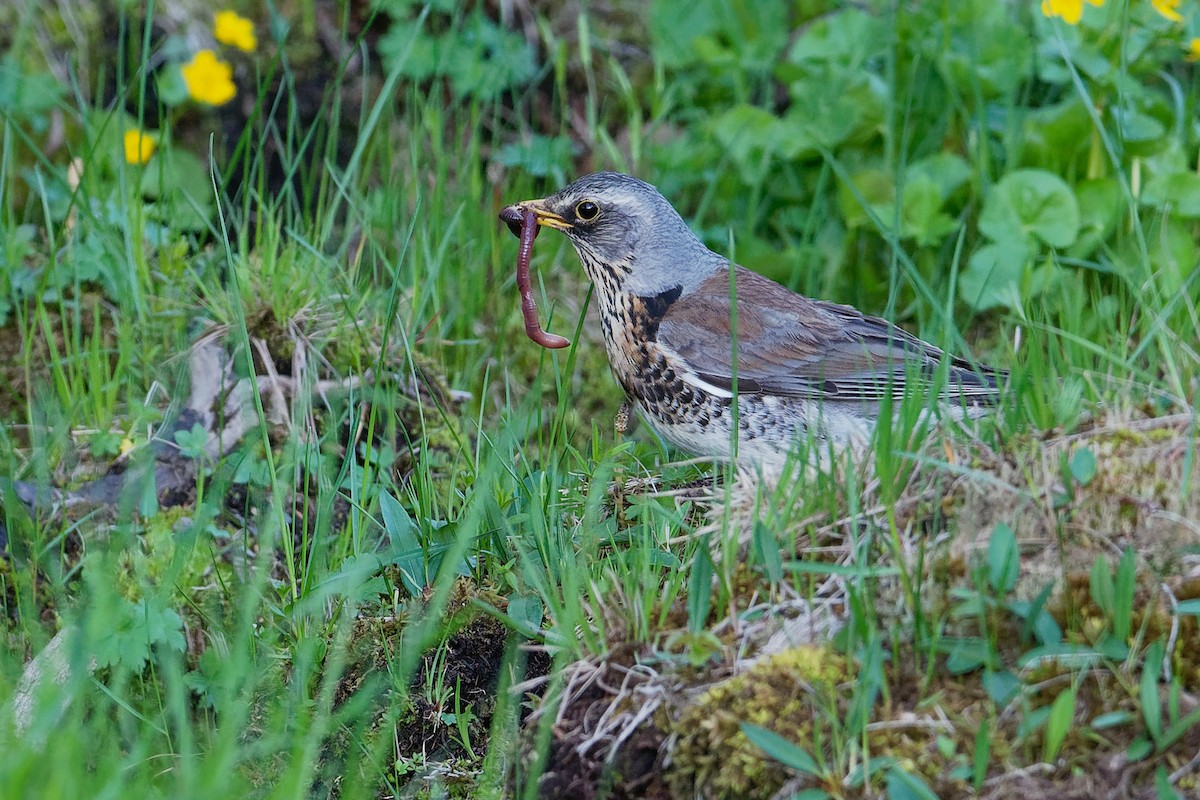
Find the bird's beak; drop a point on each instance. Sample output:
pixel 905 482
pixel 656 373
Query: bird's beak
pixel 513 216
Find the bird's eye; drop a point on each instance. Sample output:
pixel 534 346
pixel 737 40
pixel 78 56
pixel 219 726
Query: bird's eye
pixel 587 211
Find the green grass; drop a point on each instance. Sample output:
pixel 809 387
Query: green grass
pixel 429 529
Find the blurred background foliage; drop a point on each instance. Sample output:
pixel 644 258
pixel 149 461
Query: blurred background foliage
pixel 998 145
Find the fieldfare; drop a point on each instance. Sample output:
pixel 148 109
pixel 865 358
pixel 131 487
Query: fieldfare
pixel 797 367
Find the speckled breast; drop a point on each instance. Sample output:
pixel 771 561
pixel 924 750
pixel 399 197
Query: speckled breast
pixel 684 414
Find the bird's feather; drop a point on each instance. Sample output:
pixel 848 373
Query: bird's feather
pixel 790 345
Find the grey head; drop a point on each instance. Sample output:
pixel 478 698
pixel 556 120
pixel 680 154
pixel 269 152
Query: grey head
pixel 627 235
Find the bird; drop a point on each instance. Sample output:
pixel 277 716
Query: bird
pixel 703 347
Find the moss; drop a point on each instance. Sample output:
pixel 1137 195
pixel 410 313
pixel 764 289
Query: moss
pixel 790 693
pixel 1084 622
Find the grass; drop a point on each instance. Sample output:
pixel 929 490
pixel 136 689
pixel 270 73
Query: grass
pixel 426 565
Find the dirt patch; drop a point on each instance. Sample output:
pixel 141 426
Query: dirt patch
pixel 606 739
pixel 451 698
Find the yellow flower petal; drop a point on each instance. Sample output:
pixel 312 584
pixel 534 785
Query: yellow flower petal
pixel 1167 8
pixel 139 146
pixel 231 28
pixel 1193 50
pixel 1069 11
pixel 126 445
pixel 209 79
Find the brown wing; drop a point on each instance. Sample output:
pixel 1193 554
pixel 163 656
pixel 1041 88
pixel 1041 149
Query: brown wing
pixel 790 345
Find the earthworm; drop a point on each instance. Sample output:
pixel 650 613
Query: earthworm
pixel 533 328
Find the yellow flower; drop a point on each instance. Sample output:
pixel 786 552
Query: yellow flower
pixel 139 146
pixel 126 446
pixel 209 79
pixel 232 28
pixel 1167 9
pixel 1069 11
pixel 1193 50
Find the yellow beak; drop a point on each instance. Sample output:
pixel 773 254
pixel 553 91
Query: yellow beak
pixel 514 215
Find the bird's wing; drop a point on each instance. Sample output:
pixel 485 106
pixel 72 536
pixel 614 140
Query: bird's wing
pixel 793 346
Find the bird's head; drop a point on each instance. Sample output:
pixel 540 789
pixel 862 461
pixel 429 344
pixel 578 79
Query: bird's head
pixel 626 233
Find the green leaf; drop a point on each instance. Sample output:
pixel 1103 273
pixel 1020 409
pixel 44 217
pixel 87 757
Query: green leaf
pixel 484 59
pixel 766 549
pixel 1003 559
pixel 192 442
pixel 1188 607
pixel 657 557
pixel 782 750
pixel 982 51
pixel 948 171
pixel 922 218
pixel 172 88
pixel 356 579
pixel 849 38
pixel 1173 253
pixel 133 631
pixel 1112 719
pixel 1151 705
pixel 737 37
pixel 812 794
pixel 1101 204
pixel 1176 193
pixel 1162 785
pixel 179 183
pixel 1031 205
pixel 1136 127
pixel 1101 584
pixel 480 58
pixel 1056 135
pixel 869 190
pixel 25 95
pixel 904 786
pixel 540 156
pixel 992 278
pixel 1037 621
pixel 699 597
pixel 1083 466
pixel 674 26
pixel 527 611
pixel 1123 593
pixel 405 36
pixel 407 553
pixel 831 107
pixel 1001 686
pixel 106 443
pixel 1032 721
pixel 749 134
pixel 982 755
pixel 967 655
pixel 1139 748
pixel 1178 729
pixel 1060 721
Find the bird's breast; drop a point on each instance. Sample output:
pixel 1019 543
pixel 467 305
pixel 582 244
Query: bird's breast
pixel 630 328
pixel 654 377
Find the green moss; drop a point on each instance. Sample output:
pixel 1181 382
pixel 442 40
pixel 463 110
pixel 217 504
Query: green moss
pixel 789 693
